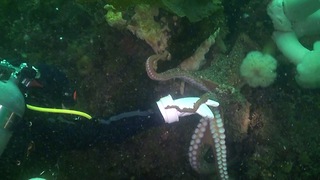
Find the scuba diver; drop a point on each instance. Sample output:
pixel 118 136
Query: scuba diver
pixel 34 106
pixel 44 88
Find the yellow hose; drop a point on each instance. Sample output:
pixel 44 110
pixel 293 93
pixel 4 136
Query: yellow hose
pixel 61 111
